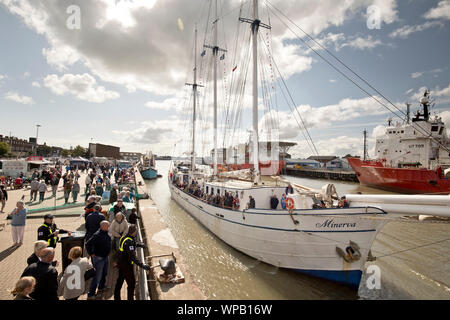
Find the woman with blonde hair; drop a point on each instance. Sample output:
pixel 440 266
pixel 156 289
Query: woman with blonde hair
pixel 23 288
pixel 72 283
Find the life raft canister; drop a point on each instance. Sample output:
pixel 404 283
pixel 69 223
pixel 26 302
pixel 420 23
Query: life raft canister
pixel 289 203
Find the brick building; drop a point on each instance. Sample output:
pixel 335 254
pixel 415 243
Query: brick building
pixel 19 147
pixel 102 150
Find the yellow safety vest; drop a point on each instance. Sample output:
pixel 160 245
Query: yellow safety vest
pixel 121 242
pixel 51 232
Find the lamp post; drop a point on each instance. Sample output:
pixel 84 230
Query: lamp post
pixel 37 134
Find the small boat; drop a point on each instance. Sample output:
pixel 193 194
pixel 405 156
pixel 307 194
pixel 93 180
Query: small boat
pixel 147 167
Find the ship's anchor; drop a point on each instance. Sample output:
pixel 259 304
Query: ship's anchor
pixel 351 253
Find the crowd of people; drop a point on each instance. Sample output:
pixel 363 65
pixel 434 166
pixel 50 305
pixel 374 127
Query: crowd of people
pixel 110 236
pixel 228 200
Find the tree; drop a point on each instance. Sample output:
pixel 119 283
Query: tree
pixel 65 153
pixel 44 150
pixel 79 151
pixel 4 149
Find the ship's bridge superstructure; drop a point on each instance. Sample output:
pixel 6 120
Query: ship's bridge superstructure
pixel 416 144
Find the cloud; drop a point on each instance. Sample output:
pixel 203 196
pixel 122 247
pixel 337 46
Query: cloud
pixel 437 92
pixel 362 43
pixel 139 43
pixel 61 57
pixel 441 92
pixel 14 96
pixel 405 31
pixel 416 75
pixel 442 11
pixel 36 84
pixel 2 77
pixel 161 135
pixel 378 131
pixel 445 115
pixel 335 146
pixel 176 103
pixel 339 41
pixel 322 117
pixel 83 86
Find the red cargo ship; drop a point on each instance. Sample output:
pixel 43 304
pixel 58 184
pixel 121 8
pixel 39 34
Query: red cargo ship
pixel 374 174
pixel 411 158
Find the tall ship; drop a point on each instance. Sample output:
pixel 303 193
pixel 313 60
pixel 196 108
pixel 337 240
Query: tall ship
pixel 413 157
pixel 267 217
pixel 147 166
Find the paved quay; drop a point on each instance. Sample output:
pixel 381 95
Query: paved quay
pixel 156 234
pixel 49 200
pixel 13 260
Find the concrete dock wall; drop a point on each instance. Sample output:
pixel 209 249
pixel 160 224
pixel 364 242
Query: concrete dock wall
pixel 322 174
pixel 159 240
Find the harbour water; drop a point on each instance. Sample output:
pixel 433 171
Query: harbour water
pixel 420 271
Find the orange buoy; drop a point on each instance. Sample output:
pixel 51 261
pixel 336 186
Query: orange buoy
pixel 289 203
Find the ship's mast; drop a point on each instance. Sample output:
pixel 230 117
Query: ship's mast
pixel 255 23
pixel 215 48
pixel 215 52
pixel 255 27
pixel 194 89
pixel 365 145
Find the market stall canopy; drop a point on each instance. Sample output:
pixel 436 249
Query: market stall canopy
pixel 79 159
pixel 37 160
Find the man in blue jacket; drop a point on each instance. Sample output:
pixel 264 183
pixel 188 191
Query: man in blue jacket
pixel 99 247
pixel 93 221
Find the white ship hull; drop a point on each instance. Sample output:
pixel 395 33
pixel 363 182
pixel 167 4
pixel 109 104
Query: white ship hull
pixel 309 246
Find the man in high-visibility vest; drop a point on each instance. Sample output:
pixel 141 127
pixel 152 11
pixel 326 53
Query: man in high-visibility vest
pixel 49 232
pixel 126 261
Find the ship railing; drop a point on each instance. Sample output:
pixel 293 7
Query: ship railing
pixel 210 203
pixel 142 288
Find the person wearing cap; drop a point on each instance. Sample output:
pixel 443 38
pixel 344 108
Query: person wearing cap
pixel 93 221
pixel 89 207
pixel 126 261
pixel 49 232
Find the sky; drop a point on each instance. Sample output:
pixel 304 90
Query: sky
pixel 114 71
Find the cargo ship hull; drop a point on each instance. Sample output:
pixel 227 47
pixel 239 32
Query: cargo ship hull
pixel 402 180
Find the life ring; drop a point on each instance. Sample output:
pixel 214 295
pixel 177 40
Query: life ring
pixel 289 203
